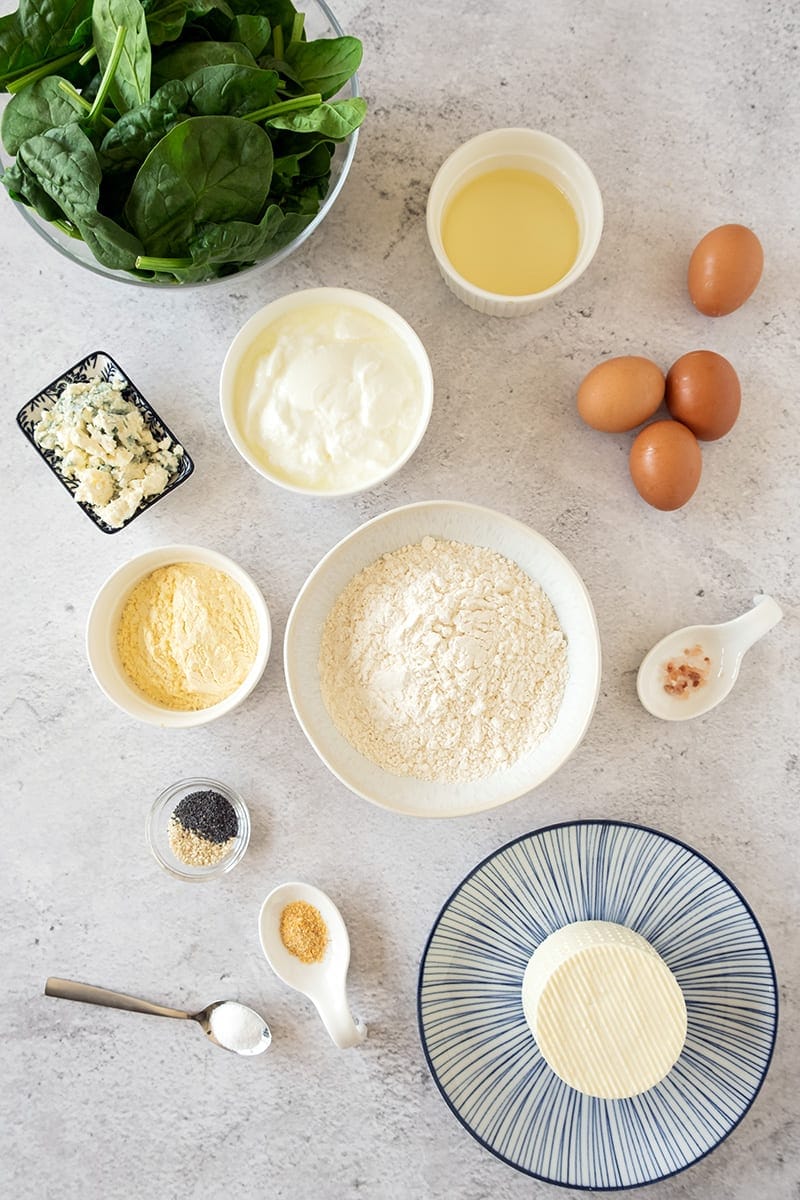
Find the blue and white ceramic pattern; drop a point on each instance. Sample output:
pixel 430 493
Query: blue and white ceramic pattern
pixel 481 1051
pixel 99 365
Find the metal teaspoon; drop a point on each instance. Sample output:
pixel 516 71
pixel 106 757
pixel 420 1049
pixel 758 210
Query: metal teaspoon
pixel 68 989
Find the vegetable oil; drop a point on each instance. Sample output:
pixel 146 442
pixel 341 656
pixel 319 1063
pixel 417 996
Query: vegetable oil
pixel 511 232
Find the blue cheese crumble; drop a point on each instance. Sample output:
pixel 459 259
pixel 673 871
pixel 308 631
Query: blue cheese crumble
pixel 103 443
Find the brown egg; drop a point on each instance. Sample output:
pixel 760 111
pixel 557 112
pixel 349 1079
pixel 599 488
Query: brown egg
pixel 724 269
pixel 665 464
pixel 703 393
pixel 620 393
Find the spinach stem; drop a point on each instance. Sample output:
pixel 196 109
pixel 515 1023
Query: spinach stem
pixel 144 263
pixel 68 228
pixel 70 91
pixel 284 106
pixel 277 42
pixel 88 56
pixel 105 83
pixel 39 72
pixel 297 27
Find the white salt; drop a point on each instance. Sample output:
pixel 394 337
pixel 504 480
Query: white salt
pixel 239 1028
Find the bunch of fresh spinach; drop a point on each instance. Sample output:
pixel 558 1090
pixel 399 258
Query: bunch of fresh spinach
pixel 180 139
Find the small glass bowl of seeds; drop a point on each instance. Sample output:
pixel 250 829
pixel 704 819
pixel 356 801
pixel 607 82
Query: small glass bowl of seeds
pixel 198 829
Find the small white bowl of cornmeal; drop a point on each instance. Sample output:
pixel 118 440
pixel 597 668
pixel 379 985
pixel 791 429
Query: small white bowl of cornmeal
pixel 326 391
pixel 178 636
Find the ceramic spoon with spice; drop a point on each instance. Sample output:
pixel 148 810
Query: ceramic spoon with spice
pixel 692 670
pixel 304 940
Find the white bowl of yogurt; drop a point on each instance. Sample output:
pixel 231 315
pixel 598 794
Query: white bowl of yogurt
pixel 326 392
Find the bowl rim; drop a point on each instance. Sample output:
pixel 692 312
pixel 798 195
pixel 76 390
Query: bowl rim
pixel 429 812
pixel 218 869
pixel 600 822
pixel 42 227
pixel 111 589
pixel 436 205
pixel 346 297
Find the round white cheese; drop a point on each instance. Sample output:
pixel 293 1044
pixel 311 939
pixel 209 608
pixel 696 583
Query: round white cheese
pixel 606 1011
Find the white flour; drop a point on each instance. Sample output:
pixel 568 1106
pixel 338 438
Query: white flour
pixel 443 661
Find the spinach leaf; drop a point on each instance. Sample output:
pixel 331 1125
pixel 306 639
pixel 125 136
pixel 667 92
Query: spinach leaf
pixel 296 155
pixel 212 26
pixel 166 18
pixel 268 62
pixel 284 170
pixel 64 164
pixel 205 169
pixel 230 90
pixel 193 56
pixel 317 163
pixel 40 30
pixel 287 164
pixel 277 12
pixel 225 247
pixel 111 245
pixel 325 65
pixel 23 186
pixel 307 199
pixel 83 32
pixel 290 227
pixel 301 194
pixel 335 119
pixel 234 241
pixel 133 137
pixel 130 85
pixel 179 180
pixel 254 32
pixel 37 108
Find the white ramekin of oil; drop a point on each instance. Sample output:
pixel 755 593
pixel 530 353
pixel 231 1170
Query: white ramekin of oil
pixel 514 217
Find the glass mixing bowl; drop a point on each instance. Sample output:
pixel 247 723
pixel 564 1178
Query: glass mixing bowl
pixel 319 23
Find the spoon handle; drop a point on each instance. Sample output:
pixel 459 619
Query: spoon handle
pixel 752 625
pixel 338 1020
pixel 68 989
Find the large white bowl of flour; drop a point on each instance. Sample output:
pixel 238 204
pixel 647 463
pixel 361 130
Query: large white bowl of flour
pixel 470 526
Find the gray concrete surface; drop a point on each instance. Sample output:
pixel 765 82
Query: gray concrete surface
pixel 689 117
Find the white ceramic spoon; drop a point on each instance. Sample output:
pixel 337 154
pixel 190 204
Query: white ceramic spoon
pixel 324 982
pixel 709 654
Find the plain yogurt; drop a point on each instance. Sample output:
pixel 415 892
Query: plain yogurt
pixel 329 398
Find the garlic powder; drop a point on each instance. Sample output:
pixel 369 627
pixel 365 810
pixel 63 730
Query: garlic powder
pixel 103 442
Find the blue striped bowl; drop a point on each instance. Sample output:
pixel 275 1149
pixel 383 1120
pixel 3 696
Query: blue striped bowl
pixel 480 1049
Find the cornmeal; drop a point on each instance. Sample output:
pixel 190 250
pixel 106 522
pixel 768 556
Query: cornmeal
pixel 188 636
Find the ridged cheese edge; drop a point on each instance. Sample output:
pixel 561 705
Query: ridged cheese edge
pixel 606 1011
